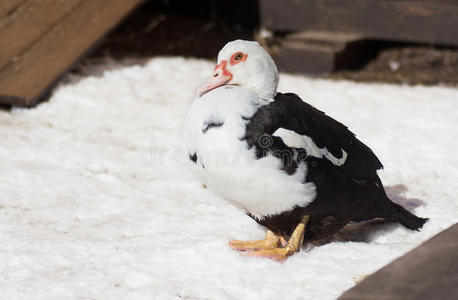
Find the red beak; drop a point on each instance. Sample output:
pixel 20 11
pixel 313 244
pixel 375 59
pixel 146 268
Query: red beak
pixel 219 78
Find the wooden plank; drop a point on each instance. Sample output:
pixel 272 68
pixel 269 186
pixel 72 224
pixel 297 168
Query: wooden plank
pixel 433 22
pixel 320 52
pixel 430 271
pixel 27 78
pixel 28 23
pixel 311 53
pixel 7 7
pixel 297 57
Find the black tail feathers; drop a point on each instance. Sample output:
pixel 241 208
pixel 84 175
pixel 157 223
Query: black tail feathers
pixel 407 219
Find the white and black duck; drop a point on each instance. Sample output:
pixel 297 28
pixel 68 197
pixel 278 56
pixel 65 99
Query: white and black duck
pixel 283 162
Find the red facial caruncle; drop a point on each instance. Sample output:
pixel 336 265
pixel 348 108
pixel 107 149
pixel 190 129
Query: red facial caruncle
pixel 221 75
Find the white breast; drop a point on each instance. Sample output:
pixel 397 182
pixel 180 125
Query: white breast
pixel 226 165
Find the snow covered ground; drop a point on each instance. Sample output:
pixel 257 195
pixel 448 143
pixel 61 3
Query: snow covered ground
pixel 97 203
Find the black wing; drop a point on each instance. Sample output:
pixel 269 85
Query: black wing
pixel 288 111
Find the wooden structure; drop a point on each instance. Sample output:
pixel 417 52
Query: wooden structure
pixel 323 30
pixel 430 271
pixel 41 39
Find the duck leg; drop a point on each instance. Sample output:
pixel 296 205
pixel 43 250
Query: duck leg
pixel 294 244
pixel 271 241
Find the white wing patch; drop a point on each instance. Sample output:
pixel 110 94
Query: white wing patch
pixel 332 158
pixel 293 139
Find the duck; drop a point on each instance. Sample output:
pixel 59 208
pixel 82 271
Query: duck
pixel 287 165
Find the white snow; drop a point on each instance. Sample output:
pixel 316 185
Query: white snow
pixel 97 203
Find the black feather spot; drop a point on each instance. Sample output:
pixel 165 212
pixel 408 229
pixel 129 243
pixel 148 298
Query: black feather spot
pixel 211 124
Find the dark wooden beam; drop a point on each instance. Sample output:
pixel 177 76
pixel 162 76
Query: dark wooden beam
pixel 430 271
pixel 434 22
pixel 44 38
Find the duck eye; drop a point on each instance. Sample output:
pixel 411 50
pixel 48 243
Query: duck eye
pixel 238 57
